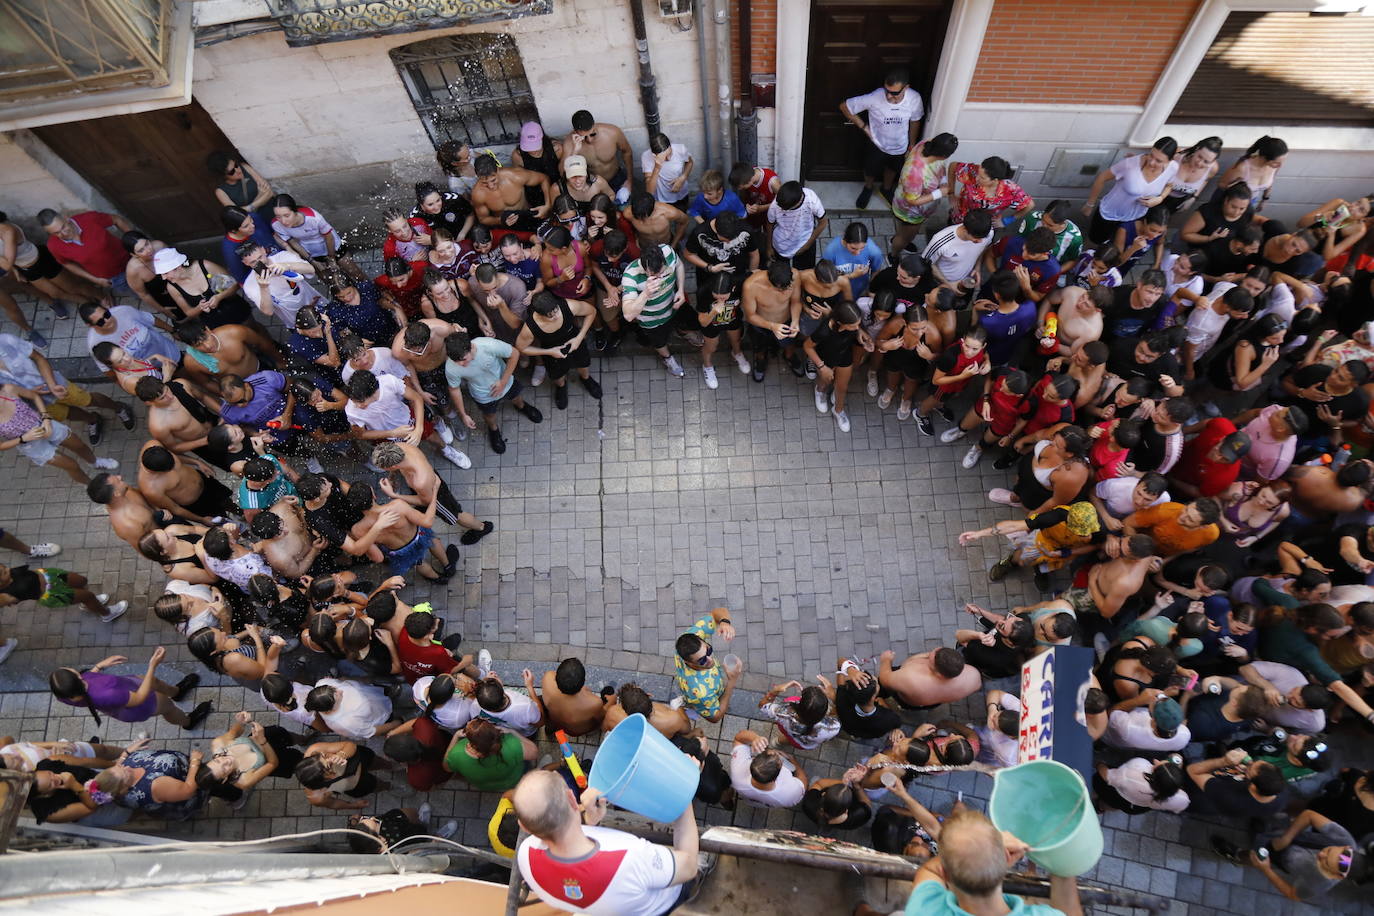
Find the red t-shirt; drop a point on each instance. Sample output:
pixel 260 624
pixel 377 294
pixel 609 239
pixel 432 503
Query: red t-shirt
pixel 419 661
pixel 407 295
pixel 1045 414
pixel 96 250
pixel 428 772
pixel 1210 477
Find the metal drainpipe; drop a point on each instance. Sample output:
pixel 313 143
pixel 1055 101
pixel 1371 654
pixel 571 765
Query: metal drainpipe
pixel 648 91
pixel 725 89
pixel 705 75
pixel 748 136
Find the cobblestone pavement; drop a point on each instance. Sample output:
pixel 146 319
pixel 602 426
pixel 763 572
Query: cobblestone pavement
pixel 607 547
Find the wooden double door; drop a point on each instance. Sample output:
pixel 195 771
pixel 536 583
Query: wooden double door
pixel 853 46
pixel 150 165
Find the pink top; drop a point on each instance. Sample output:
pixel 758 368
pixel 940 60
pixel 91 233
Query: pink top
pixel 1268 458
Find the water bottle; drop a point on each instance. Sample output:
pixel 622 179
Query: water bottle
pixel 1340 458
pixel 290 276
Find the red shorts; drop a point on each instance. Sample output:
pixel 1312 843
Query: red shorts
pixel 1080 578
pixel 1002 423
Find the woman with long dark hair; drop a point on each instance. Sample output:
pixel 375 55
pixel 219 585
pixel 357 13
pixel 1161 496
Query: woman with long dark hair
pixel 1138 183
pixel 127 699
pixel 244 756
pixel 1258 168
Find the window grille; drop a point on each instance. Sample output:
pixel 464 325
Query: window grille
pixel 470 88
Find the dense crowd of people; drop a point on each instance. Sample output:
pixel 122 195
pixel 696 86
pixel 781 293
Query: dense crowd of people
pixel 1178 385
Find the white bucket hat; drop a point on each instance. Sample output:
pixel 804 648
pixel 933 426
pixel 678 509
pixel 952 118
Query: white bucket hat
pixel 168 259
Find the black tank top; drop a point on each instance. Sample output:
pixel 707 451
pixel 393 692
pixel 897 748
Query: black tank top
pixel 551 340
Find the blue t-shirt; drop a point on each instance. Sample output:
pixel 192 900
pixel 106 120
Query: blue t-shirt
pixel 367 318
pixel 931 898
pixel 485 369
pixel 707 211
pixel 267 402
pixel 1043 274
pixel 1006 330
pixel 267 497
pixel 871 256
pixel 527 270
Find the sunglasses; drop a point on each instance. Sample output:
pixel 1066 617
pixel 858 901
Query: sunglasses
pixel 1345 860
pixel 705 656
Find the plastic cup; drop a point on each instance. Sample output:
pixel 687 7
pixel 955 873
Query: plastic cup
pixel 889 779
pixel 732 663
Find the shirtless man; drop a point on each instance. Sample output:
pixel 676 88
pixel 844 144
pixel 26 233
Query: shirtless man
pixel 230 349
pixel 1079 318
pixel 1110 584
pixel 655 222
pixel 330 511
pixel 419 346
pixel 499 199
pixel 605 148
pixel 284 541
pixel 177 418
pixel 407 540
pixel 772 307
pixel 183 485
pixel 1086 365
pixel 410 463
pixel 929 678
pixel 568 704
pixel 669 722
pixel 1320 492
pixel 130 515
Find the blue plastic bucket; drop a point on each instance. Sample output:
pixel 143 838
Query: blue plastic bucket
pixel 642 771
pixel 1046 805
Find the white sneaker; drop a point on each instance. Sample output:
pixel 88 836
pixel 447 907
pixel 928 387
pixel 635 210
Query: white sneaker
pixel 743 362
pixel 102 597
pixel 885 399
pixel 971 457
pixel 709 374
pixel 116 611
pixel 904 410
pixel 676 702
pixel 457 457
pixel 673 366
pixel 484 663
pixel 447 829
pixel 107 464
pixel 822 402
pixel 7 648
pixel 953 434
pixel 872 385
pixel 425 810
pixel 842 420
pixel 38 551
pixel 445 434
pixel 313 465
pixel 540 373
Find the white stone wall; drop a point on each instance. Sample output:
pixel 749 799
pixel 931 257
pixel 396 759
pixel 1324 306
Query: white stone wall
pixel 305 111
pixel 28 184
pixel 1027 136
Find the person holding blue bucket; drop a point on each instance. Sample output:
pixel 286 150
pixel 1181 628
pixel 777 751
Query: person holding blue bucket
pixel 966 877
pixel 577 866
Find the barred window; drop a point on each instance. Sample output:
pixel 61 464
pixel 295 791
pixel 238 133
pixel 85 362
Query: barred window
pixel 470 88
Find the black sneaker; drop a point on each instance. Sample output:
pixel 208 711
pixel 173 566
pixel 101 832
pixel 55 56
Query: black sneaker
pixel 126 416
pixel 925 425
pixel 864 197
pixel 758 366
pixel 810 370
pixel 593 387
pixel 498 441
pixel 1042 580
pixel 451 552
pixel 797 367
pixel 95 430
pixel 946 413
pixel 1228 850
pixel 185 686
pixel 1009 457
pixel 599 339
pixel 199 715
pixel 560 396
pixel 472 537
pixel 532 413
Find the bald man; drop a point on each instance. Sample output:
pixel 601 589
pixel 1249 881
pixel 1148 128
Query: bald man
pixel 578 867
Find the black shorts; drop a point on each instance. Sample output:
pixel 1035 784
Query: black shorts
pixel 492 408
pixel 906 362
pixel 525 221
pixel 447 506
pixel 655 338
pixel 435 382
pixel 715 330
pixel 559 366
pixel 1100 230
pixel 214 500
pixel 617 181
pixel 765 341
pixel 877 162
pixel 45 268
pixel 802 260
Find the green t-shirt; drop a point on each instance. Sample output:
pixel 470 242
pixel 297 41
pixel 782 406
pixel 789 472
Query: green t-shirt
pixel 660 308
pixel 496 772
pixel 931 898
pixel 1068 244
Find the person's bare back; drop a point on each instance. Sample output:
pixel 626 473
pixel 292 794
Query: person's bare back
pixel 130 516
pixel 233 352
pixel 918 682
pixel 666 720
pixel 657 227
pixel 579 714
pixel 170 423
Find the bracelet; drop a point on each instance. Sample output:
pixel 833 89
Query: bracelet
pixel 725 620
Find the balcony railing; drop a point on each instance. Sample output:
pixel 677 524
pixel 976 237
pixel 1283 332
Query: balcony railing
pixel 313 22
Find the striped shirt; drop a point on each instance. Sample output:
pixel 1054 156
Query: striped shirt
pixel 660 308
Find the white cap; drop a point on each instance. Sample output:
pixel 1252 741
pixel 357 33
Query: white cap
pixel 167 259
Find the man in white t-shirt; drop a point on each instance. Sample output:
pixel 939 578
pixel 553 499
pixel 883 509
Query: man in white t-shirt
pixel 382 407
pixel 1157 727
pixel 1117 497
pixel 576 866
pixel 764 775
pixel 518 712
pixel 1209 320
pixel 276 283
pixel 796 218
pixel 894 123
pixel 954 252
pixel 667 167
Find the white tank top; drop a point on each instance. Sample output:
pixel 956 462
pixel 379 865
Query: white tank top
pixel 26 252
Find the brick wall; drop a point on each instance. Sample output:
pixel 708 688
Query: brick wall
pixel 763 41
pixel 1078 52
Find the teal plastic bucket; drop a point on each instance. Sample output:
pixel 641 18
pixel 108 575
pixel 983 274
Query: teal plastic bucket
pixel 642 771
pixel 1046 805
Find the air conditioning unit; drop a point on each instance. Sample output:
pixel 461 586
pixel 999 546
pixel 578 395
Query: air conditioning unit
pixel 671 9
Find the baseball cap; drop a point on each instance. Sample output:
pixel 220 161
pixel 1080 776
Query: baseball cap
pixel 167 259
pixel 531 137
pixel 575 166
pixel 1234 447
pixel 1168 714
